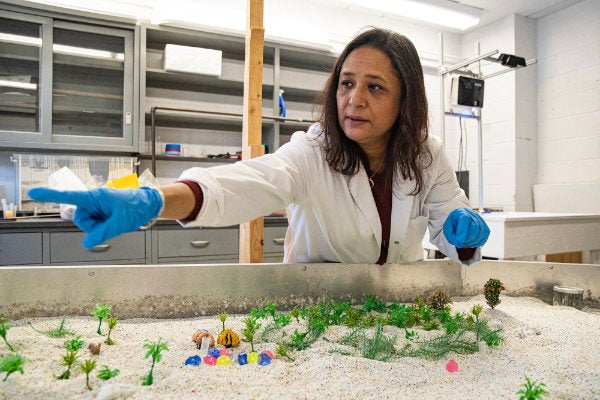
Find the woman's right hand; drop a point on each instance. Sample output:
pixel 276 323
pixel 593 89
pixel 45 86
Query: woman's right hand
pixel 104 213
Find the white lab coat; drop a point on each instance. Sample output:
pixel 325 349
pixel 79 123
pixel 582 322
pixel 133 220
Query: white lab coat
pixel 332 217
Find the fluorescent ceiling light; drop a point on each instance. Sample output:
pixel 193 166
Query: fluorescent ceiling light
pixel 90 53
pixel 17 84
pixel 445 13
pixel 20 39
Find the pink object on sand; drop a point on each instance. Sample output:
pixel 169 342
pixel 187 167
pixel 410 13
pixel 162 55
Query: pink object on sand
pixel 452 366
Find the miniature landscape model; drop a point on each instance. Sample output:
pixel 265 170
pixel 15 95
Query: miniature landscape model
pixel 477 347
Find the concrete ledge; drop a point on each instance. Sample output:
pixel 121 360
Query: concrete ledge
pixel 182 291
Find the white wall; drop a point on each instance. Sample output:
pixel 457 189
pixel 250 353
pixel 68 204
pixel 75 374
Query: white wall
pixel 568 81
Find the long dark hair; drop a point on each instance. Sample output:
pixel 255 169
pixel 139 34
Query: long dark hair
pixel 407 150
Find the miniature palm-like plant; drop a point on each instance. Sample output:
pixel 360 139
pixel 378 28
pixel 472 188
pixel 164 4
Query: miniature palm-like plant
pixel 87 367
pixel 223 318
pixel 11 363
pixel 112 322
pixel 68 361
pixel 153 350
pixel 491 291
pixel 4 327
pixel 74 344
pixel 59 332
pixel 101 312
pixel 250 330
pixel 531 390
pixel 106 373
pixel 282 350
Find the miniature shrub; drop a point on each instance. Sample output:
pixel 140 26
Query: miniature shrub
pixel 491 291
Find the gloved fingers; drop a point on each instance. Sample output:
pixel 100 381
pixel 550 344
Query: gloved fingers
pixel 463 227
pixel 101 231
pixel 86 220
pixel 76 197
pixel 479 232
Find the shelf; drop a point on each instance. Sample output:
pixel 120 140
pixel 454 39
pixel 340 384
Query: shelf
pixel 193 159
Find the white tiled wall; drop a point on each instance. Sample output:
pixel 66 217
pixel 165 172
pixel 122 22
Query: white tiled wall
pixel 568 80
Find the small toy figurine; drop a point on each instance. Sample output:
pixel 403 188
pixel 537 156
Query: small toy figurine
pixel 197 338
pixel 228 338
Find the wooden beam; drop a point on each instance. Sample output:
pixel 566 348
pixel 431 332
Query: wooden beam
pixel 251 233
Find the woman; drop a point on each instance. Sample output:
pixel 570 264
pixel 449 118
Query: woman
pixel 361 186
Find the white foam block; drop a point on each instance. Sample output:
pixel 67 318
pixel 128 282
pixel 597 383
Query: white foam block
pixel 193 60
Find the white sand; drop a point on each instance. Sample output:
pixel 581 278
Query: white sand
pixel 559 346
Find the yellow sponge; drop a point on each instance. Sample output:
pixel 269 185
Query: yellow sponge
pixel 126 182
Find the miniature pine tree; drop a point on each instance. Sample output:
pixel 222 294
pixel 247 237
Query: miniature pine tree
pixel 11 363
pixel 491 291
pixel 112 322
pixel 87 367
pixel 4 327
pixel 476 310
pixel 153 350
pixel 101 312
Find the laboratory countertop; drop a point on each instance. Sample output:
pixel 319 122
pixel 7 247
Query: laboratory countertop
pixel 54 222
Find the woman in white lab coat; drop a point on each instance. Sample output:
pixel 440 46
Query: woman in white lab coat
pixel 361 186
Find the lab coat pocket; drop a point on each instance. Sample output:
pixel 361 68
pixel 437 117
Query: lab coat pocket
pixel 412 246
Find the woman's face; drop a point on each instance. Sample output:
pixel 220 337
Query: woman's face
pixel 368 97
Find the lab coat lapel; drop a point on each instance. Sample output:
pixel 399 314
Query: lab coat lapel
pixel 361 193
pixel 402 211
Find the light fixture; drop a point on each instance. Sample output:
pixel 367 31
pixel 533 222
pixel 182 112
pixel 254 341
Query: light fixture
pixel 439 12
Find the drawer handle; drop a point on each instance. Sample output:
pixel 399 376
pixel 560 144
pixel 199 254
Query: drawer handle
pixel 100 248
pixel 200 243
pixel 279 241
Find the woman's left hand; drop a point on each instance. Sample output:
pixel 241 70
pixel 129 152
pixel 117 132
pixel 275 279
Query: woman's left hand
pixel 465 228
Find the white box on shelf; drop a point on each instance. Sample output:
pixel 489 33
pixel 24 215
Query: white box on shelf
pixel 194 60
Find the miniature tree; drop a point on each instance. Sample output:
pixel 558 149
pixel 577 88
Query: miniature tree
pixel 491 291
pixel 153 350
pixel 106 373
pixel 74 344
pixel 476 310
pixel 531 390
pixel 4 327
pixel 438 300
pixel 101 312
pixel 112 322
pixel 68 361
pixel 250 330
pixel 11 363
pixel 223 318
pixel 87 367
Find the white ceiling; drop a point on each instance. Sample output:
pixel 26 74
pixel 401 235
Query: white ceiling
pixel 492 10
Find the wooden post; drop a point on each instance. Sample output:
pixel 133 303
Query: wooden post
pixel 251 233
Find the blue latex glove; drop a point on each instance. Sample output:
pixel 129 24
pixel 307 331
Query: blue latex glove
pixel 465 228
pixel 104 213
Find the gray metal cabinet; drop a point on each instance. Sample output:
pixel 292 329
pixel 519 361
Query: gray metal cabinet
pixel 66 248
pixel 67 84
pixel 21 248
pixel 273 240
pixel 195 245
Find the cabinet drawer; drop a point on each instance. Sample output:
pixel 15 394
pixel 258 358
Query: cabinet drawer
pixel 197 242
pixel 65 247
pixel 20 248
pixel 273 239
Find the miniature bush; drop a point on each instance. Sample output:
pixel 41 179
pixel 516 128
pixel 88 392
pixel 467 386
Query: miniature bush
pixel 4 327
pixel 11 363
pixel 438 300
pixel 531 390
pixel 491 291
